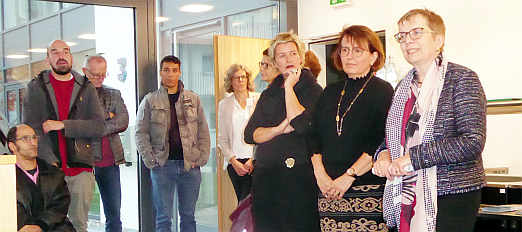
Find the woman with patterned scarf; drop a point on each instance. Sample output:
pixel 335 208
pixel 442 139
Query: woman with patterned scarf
pixel 435 134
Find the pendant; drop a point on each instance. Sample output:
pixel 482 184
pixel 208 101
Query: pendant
pixel 337 118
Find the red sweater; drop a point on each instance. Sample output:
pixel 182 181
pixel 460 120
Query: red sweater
pixel 63 91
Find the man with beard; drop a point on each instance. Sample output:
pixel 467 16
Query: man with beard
pixel 173 140
pixel 63 108
pixel 41 192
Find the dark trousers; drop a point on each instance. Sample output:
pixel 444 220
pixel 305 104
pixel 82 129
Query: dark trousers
pixel 108 180
pixel 285 199
pixel 242 184
pixel 456 213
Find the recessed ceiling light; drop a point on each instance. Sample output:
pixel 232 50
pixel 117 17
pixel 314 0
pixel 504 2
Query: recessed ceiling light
pixel 16 56
pixel 87 36
pixel 196 8
pixel 71 44
pixel 161 19
pixel 37 50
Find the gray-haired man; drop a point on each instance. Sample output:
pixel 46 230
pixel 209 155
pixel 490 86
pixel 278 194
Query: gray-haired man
pixel 110 154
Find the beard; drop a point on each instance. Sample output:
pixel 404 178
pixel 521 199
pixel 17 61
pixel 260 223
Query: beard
pixel 61 70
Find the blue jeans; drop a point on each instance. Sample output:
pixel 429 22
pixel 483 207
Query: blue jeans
pixel 108 179
pixel 165 180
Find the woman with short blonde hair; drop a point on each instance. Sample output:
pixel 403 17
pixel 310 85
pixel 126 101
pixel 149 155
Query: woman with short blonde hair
pixel 284 196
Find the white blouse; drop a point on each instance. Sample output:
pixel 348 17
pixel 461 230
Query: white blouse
pixel 232 120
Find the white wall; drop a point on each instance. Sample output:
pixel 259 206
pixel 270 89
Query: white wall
pixel 482 35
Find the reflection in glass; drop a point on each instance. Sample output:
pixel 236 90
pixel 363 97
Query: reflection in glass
pixel 15 13
pixel 12 107
pixel 262 23
pixel 42 33
pixel 41 9
pixel 19 73
pixel 15 45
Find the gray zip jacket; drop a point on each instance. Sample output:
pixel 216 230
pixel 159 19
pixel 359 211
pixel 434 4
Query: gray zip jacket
pixel 153 123
pixel 83 128
pixel 113 103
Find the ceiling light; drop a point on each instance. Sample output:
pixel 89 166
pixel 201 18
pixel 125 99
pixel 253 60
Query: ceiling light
pixel 71 44
pixel 87 36
pixel 16 56
pixel 161 19
pixel 196 8
pixel 37 50
pixel 235 24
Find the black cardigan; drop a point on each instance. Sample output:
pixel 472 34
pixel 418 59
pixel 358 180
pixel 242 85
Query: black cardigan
pixel 270 111
pixel 363 126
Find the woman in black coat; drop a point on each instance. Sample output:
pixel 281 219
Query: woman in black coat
pixel 284 190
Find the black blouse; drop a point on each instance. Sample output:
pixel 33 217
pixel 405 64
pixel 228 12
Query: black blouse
pixel 363 126
pixel 270 111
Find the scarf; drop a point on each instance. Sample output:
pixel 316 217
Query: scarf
pixel 427 101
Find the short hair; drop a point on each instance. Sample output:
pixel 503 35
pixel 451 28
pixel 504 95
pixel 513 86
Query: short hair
pixel 434 20
pixel 360 35
pixel 312 62
pixel 11 136
pixel 285 37
pixel 170 59
pixel 93 57
pixel 230 73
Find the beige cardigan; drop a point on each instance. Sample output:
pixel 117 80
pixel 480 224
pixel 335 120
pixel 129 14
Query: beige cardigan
pixel 225 128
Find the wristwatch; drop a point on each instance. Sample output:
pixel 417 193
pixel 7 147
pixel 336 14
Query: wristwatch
pixel 351 172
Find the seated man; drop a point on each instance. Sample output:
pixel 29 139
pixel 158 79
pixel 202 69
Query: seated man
pixel 41 192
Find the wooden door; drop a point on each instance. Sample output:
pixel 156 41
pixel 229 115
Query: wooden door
pixel 230 50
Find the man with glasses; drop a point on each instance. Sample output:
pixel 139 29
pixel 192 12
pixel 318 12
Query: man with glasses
pixel 41 192
pixel 110 154
pixel 63 108
pixel 173 140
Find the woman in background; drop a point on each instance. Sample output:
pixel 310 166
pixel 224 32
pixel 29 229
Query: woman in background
pixel 234 112
pixel 348 126
pixel 312 63
pixel 435 134
pixel 284 196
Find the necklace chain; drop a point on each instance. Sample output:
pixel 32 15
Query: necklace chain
pixel 339 120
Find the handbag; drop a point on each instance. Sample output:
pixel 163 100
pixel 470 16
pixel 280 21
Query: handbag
pixel 242 218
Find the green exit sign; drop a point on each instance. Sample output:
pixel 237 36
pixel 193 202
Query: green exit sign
pixel 339 2
pixel 336 2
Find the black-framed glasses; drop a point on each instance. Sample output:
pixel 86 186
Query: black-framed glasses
pixel 28 138
pixel 356 51
pixel 414 34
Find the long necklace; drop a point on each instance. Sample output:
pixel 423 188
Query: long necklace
pixel 339 120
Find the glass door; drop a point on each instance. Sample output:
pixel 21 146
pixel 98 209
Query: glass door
pixel 28 26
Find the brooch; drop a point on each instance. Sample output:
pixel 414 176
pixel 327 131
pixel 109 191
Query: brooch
pixel 290 162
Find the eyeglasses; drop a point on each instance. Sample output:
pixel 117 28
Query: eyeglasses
pixel 242 77
pixel 28 138
pixel 97 75
pixel 356 51
pixel 264 65
pixel 414 34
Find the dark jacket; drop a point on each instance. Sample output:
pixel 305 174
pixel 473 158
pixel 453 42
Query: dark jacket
pixel 270 111
pixel 113 103
pixel 83 128
pixel 46 203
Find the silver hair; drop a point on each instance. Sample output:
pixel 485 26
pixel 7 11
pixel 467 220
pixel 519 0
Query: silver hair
pixel 91 57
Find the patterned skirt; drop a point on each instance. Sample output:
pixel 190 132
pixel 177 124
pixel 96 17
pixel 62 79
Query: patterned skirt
pixel 359 210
